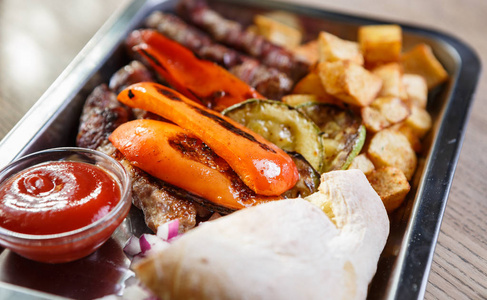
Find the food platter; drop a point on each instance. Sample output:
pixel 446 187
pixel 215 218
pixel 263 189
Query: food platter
pixel 404 265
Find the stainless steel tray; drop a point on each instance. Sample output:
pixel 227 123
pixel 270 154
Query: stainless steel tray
pixel 405 263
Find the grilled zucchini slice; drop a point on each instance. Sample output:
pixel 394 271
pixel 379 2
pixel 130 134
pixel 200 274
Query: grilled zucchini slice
pixel 309 178
pixel 342 132
pixel 282 125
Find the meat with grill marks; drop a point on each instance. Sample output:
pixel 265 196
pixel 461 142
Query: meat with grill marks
pixel 158 201
pixel 132 73
pixel 102 114
pixel 232 34
pixel 268 81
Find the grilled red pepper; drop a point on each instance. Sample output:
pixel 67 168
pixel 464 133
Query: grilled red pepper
pixel 176 156
pixel 197 79
pixel 262 166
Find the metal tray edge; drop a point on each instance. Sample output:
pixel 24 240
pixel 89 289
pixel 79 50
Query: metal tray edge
pixel 405 283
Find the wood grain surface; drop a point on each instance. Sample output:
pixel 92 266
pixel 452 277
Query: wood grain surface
pixel 38 39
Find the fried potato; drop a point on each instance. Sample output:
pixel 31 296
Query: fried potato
pixel 416 89
pixel 277 32
pixel 392 83
pixel 373 120
pixel 380 44
pixel 307 52
pixel 392 108
pixel 413 139
pixel 286 18
pixel 297 99
pixel 390 148
pixel 384 112
pixel 311 85
pixel 332 48
pixel 349 82
pixel 391 185
pixel 419 121
pixel 421 60
pixel 363 163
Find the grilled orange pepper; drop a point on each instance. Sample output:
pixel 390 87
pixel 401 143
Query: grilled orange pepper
pixel 175 155
pixel 262 166
pixel 197 79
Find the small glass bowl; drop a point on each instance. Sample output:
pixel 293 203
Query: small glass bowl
pixel 75 244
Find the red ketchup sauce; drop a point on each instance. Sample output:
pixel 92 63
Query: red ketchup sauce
pixel 56 197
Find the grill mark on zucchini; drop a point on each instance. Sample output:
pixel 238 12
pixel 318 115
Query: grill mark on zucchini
pixel 309 178
pixel 282 125
pixel 340 127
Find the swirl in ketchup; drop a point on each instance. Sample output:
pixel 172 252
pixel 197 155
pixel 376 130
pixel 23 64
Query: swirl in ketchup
pixel 57 197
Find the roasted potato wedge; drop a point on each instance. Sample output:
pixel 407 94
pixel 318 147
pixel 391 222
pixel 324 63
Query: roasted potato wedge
pixel 307 52
pixel 349 82
pixel 416 89
pixel 384 112
pixel 421 60
pixel 413 139
pixel 311 85
pixel 392 83
pixel 419 121
pixel 363 163
pixel 332 48
pixel 298 99
pixel 373 120
pixel 391 185
pixel 277 32
pixel 390 148
pixel 380 44
pixel 392 108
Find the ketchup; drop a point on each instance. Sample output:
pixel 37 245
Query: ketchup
pixel 57 197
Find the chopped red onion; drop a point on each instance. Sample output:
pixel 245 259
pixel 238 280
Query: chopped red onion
pixel 132 246
pixel 144 243
pixel 151 242
pixel 168 230
pixel 137 248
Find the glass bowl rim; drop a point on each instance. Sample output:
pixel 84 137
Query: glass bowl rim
pixel 77 234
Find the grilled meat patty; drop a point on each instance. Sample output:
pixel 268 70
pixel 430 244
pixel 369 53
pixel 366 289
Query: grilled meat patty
pixel 158 201
pixel 102 114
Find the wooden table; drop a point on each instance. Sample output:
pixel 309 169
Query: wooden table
pixel 39 38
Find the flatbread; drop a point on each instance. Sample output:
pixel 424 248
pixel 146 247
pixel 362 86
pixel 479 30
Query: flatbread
pixel 287 249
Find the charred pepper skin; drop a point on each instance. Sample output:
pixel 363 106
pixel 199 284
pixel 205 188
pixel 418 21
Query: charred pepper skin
pixel 262 166
pixel 200 80
pixel 175 155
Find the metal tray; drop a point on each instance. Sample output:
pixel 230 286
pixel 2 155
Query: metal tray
pixel 406 260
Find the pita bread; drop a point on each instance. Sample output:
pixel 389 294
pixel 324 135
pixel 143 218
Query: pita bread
pixel 286 249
